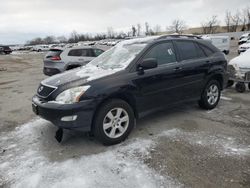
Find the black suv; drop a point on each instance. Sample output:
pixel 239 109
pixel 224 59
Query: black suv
pixel 131 79
pixel 5 50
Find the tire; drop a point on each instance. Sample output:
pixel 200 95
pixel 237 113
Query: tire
pixel 249 86
pixel 115 125
pixel 210 96
pixel 230 83
pixel 240 87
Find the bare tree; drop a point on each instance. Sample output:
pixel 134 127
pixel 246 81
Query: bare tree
pixel 235 21
pixel 211 25
pixel 228 19
pixel 146 28
pixel 49 40
pixel 247 15
pixel 133 31
pixel 178 26
pixel 61 39
pixel 243 19
pixel 138 29
pixel 110 32
pixel 157 29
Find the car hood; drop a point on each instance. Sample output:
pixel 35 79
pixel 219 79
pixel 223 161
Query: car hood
pixel 83 74
pixel 242 61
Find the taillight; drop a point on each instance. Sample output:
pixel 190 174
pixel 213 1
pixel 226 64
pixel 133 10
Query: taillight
pixel 55 58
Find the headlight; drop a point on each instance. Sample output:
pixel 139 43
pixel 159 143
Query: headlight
pixel 71 95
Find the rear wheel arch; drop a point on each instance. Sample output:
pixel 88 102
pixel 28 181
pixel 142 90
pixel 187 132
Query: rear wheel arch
pixel 69 67
pixel 218 77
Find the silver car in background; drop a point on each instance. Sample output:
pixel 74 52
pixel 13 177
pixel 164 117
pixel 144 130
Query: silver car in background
pixel 59 60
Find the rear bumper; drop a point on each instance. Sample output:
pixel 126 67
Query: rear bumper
pixel 50 71
pixel 54 112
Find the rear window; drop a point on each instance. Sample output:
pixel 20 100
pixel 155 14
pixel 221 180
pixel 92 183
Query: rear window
pixel 79 52
pixel 53 53
pixel 187 50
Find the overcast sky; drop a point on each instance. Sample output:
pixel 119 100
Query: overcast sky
pixel 22 20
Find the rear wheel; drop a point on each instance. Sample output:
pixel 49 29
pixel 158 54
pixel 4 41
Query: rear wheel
pixel 240 87
pixel 211 95
pixel 113 122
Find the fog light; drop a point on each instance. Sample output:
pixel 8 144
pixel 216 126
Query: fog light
pixel 69 118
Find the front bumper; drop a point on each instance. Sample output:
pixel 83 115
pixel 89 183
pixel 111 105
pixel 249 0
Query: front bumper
pixel 54 112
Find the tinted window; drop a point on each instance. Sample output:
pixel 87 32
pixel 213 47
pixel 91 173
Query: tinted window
pixel 187 49
pixel 163 53
pixel 200 52
pixel 98 52
pixel 207 51
pixel 79 52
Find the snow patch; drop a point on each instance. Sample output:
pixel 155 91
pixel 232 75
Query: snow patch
pixel 220 143
pixel 226 98
pixel 119 166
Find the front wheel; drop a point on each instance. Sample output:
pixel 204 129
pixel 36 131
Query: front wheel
pixel 211 95
pixel 113 122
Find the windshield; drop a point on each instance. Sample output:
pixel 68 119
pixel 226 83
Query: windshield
pixel 119 56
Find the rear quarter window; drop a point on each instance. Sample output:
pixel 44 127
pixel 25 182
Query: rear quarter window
pixel 187 49
pixel 207 50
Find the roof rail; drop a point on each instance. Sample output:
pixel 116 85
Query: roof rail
pixel 179 36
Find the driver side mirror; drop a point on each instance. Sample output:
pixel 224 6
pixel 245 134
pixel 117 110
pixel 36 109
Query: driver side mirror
pixel 149 63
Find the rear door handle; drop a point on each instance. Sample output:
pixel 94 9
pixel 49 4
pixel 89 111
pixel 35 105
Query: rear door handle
pixel 177 68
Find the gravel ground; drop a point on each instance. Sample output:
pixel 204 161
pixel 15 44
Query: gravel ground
pixel 178 147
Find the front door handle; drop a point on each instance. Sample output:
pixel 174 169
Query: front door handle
pixel 177 68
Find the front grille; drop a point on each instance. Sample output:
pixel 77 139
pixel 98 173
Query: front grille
pixel 44 90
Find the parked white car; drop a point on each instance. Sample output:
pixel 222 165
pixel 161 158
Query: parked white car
pixel 244 47
pixel 239 70
pixel 40 48
pixel 241 63
pixel 221 42
pixel 244 38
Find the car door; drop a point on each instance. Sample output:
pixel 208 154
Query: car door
pixel 194 67
pixel 159 86
pixel 74 56
pixel 86 56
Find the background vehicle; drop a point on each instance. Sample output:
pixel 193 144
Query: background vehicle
pixel 40 48
pixel 243 39
pixel 5 50
pixel 134 78
pixel 244 47
pixel 239 68
pixel 221 42
pixel 58 60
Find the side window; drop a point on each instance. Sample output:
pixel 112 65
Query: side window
pixel 98 52
pixel 207 51
pixel 85 52
pixel 187 49
pixel 75 52
pixel 163 53
pixel 200 52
